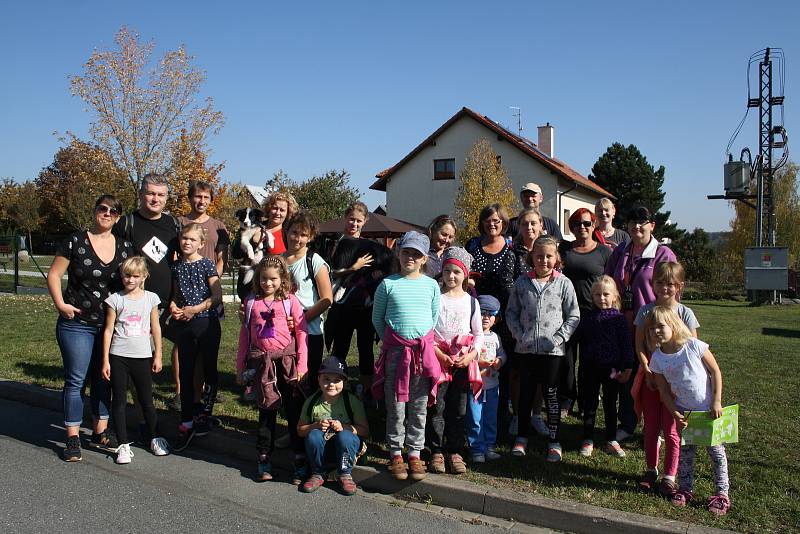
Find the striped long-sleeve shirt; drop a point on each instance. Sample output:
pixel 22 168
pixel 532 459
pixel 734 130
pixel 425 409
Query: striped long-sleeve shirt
pixel 409 306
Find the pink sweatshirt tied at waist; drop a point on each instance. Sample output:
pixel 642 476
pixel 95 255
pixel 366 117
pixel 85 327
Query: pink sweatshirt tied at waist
pixel 457 348
pixel 418 358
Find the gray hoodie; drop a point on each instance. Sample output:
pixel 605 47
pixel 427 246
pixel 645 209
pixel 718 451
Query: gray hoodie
pixel 542 321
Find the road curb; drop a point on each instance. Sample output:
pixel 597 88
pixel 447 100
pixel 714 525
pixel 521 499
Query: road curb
pixel 437 490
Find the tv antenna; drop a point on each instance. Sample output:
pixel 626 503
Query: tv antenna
pixel 517 112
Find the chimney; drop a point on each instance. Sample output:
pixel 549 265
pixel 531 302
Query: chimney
pixel 546 139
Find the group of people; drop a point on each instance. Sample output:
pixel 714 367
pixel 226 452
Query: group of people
pixel 474 340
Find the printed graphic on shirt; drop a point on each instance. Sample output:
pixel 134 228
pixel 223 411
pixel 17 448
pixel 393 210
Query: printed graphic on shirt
pixel 268 330
pixel 134 324
pixel 155 249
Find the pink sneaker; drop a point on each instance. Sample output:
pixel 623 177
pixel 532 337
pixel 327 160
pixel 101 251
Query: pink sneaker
pixel 719 504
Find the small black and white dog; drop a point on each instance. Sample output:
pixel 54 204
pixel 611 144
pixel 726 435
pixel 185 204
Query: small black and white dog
pixel 252 251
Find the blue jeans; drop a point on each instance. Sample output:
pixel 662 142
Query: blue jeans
pixel 342 449
pixel 82 352
pixel 482 421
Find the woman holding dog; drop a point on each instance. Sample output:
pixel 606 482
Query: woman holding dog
pixel 91 259
pixel 280 207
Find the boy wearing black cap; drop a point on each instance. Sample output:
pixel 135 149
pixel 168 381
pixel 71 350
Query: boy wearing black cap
pixel 332 422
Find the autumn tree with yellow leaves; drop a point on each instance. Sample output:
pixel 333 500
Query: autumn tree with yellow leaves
pixel 69 186
pixel 140 108
pixel 482 181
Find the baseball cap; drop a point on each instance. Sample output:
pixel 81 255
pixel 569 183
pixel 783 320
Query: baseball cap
pixel 333 366
pixel 530 186
pixel 415 240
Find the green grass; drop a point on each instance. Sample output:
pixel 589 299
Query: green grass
pixel 757 350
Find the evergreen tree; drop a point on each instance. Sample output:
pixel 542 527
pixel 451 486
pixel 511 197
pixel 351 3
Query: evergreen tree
pixel 625 172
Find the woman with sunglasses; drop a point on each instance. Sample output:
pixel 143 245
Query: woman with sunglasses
pixel 631 266
pixel 91 259
pixel 584 262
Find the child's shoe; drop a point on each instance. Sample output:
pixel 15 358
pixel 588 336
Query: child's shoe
pixel 312 484
pixel 719 504
pixel 416 468
pixel 264 467
pixel 347 484
pixel 72 449
pixel 614 449
pixel 667 488
pixel 124 454
pixel 478 458
pixel 519 447
pixel 539 425
pixel 681 498
pixel 587 447
pixel 437 463
pixel 202 425
pixel 648 483
pixel 397 467
pixel 159 446
pixel 300 471
pixel 491 455
pixel 185 435
pixel 554 452
pixel 457 465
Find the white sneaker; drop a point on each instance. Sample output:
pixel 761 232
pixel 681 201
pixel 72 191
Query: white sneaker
pixel 513 428
pixel 539 425
pixel 492 455
pixel 159 446
pixel 478 459
pixel 124 454
pixel 622 435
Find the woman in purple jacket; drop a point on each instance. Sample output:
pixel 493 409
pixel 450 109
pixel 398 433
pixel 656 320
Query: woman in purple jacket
pixel 631 266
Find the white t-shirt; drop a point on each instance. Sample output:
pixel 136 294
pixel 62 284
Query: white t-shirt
pixel 686 375
pixel 492 349
pixel 305 289
pixel 456 318
pixel 131 337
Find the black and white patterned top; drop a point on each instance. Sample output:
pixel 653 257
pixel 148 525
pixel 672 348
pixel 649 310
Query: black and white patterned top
pixel 191 279
pixel 89 280
pixel 497 271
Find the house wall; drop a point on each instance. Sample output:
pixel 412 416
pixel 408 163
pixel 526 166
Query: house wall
pixel 413 195
pixel 572 201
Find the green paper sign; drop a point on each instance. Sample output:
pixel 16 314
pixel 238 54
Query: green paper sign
pixel 703 430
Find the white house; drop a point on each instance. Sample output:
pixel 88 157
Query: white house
pixel 424 183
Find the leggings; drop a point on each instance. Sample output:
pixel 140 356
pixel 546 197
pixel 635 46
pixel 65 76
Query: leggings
pixel 590 380
pixel 198 340
pixel 541 369
pixel 292 403
pixel 444 431
pixel 719 463
pixel 138 370
pixel 316 346
pixel 360 321
pixel 658 418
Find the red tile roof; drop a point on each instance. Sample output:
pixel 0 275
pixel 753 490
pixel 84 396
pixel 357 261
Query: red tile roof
pixel 526 145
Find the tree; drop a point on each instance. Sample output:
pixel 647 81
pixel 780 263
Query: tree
pixel 625 172
pixel 189 165
pixel 787 220
pixel 69 186
pixel 19 206
pixel 139 114
pixel 696 255
pixel 482 181
pixel 325 196
pixel 280 181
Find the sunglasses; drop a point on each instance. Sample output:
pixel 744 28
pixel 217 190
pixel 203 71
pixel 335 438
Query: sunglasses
pixel 585 224
pixel 103 209
pixel 487 313
pixel 639 223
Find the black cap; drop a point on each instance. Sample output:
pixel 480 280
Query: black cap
pixel 333 366
pixel 639 213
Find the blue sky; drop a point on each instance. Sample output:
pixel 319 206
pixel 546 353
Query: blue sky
pixel 314 85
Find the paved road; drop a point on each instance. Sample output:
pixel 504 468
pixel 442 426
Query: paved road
pixel 193 493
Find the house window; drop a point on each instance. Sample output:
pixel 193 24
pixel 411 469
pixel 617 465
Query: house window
pixel 499 159
pixel 444 169
pixel 566 222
